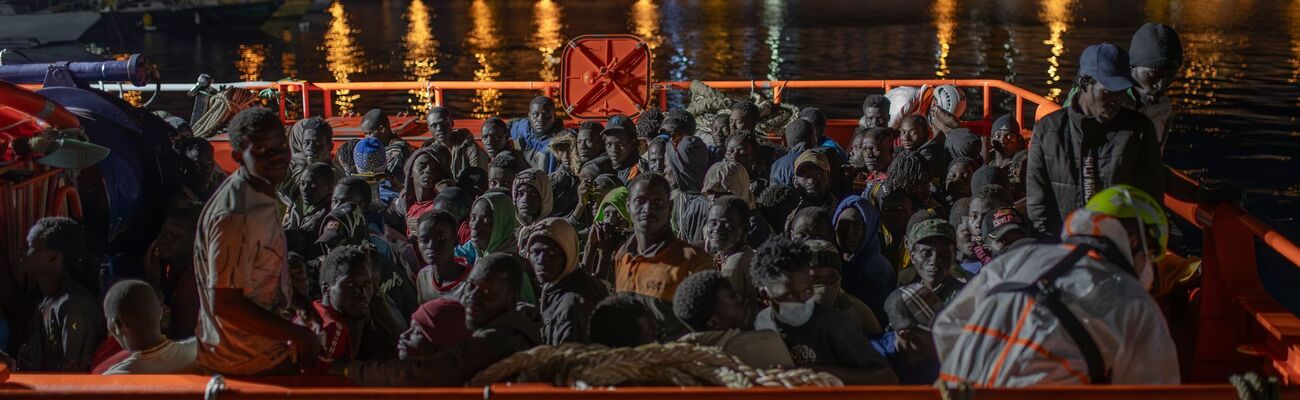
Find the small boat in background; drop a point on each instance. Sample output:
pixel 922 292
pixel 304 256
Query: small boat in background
pixel 23 27
pixel 191 15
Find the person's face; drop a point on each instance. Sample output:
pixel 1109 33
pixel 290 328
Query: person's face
pixel 315 188
pixel 500 178
pixel 486 296
pixel 440 127
pixel 547 259
pixel 740 152
pixel 540 116
pixel 412 345
pixel 590 144
pixel 957 183
pixel 811 180
pixel 794 287
pixel 494 139
pixel 480 224
pixel 877 154
pixel 894 213
pixel 723 228
pixel 655 157
pixel 266 156
pixel 669 127
pixel 425 175
pixel 739 122
pixel 345 194
pixel 850 230
pixel 875 117
pixel 1152 83
pixel 318 146
pixel 1099 103
pixel 1007 143
pixel 620 148
pixel 39 261
pixel 351 295
pixel 613 218
pixel 912 134
pixel 721 128
pixel 436 241
pixel 826 285
pixel 650 207
pixel 933 258
pixel 805 228
pixel 978 207
pixel 965 246
pixel 729 312
pixel 380 131
pixel 528 202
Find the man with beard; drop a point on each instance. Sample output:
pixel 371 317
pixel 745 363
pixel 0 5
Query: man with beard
pixel 497 328
pixel 932 245
pixel 1092 144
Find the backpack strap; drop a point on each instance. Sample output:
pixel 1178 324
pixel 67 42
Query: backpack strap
pixel 1046 293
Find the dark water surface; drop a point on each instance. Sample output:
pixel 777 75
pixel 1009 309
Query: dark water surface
pixel 1237 103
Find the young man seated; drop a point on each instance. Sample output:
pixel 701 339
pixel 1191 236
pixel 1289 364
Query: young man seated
pixel 67 325
pixel 708 305
pixel 826 278
pixel 818 337
pixel 443 275
pixel 932 244
pixel 498 331
pixel 347 328
pixel 623 321
pixel 569 294
pixel 134 313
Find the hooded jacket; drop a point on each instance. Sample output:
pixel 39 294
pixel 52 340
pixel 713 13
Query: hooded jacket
pixel 1126 150
pixel 1007 339
pixel 867 274
pixel 505 335
pixel 567 302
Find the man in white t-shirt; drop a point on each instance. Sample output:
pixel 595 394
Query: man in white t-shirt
pixel 240 261
pixel 133 310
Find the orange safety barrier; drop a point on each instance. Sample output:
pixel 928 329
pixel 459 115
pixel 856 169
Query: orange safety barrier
pixel 137 387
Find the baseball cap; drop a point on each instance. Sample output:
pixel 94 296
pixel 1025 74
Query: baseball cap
pixel 1000 221
pixel 1108 64
pixel 928 228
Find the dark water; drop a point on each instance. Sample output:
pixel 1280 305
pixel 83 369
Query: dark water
pixel 1237 103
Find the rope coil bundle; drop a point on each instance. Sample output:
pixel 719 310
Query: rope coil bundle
pixel 671 364
pixel 221 108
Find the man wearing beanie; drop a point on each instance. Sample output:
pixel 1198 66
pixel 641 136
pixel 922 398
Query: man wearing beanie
pixel 1156 55
pixel 1094 142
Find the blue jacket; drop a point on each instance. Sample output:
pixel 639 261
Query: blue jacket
pixel 535 148
pixel 867 274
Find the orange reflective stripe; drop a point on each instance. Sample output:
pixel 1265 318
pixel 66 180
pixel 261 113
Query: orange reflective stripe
pixel 1036 347
pixel 1006 348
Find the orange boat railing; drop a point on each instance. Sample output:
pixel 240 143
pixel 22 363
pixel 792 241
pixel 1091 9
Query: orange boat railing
pixel 1240 327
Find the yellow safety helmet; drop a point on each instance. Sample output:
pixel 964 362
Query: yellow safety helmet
pixel 1126 201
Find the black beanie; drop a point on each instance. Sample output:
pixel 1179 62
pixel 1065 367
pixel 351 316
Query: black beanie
pixel 1156 46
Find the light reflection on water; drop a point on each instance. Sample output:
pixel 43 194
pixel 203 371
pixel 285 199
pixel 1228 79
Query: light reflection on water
pixel 1239 89
pixel 343 55
pixel 421 59
pixel 483 42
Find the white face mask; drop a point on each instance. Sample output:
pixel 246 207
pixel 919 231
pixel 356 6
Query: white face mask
pixel 795 314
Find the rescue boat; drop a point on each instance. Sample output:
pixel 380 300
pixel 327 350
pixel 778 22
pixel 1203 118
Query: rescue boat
pixel 1235 326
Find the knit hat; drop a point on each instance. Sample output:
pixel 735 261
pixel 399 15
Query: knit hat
pixel 442 322
pixel 1156 46
pixel 369 157
pixel 1007 122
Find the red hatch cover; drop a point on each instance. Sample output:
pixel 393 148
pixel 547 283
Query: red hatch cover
pixel 605 75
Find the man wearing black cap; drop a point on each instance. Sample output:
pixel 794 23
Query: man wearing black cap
pixel 1156 55
pixel 1003 230
pixel 1093 143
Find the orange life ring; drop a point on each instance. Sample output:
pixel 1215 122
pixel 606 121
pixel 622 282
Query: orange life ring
pixel 27 101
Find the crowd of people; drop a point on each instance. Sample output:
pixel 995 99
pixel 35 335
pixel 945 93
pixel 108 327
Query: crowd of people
pixel 919 252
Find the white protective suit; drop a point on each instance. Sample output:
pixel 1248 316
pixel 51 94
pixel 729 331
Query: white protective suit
pixel 1008 340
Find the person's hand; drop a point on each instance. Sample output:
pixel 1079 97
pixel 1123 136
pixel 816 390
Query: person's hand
pixel 306 344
